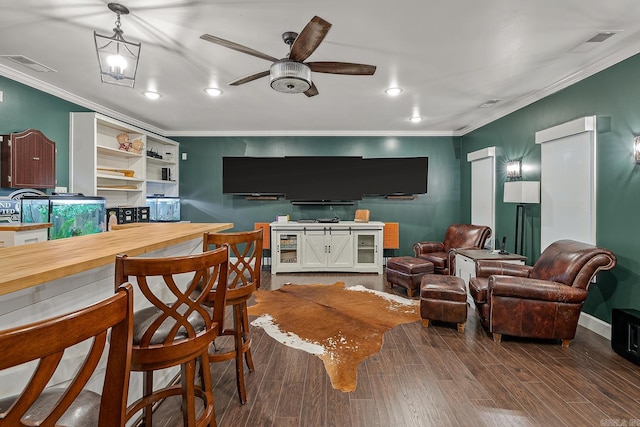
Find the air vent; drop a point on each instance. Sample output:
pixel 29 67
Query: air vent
pixel 29 63
pixel 490 103
pixel 593 41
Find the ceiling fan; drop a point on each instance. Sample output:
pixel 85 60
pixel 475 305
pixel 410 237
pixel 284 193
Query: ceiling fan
pixel 292 74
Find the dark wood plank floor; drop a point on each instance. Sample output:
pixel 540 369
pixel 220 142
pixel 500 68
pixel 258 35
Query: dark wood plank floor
pixel 432 377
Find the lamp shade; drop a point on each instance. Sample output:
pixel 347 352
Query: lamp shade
pixel 522 192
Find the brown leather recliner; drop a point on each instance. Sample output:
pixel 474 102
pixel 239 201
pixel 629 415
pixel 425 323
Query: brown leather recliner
pixel 457 236
pixel 539 301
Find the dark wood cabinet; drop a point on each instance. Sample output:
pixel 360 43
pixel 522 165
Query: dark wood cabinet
pixel 28 160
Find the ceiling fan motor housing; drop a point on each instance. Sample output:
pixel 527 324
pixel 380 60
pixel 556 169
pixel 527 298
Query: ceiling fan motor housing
pixel 290 76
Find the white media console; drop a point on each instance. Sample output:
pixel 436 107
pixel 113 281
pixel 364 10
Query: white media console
pixel 345 246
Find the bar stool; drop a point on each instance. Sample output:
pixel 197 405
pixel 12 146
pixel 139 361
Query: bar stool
pixel 177 329
pixel 245 252
pixel 46 341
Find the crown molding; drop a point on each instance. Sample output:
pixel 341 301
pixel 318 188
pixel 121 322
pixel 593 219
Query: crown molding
pixel 632 48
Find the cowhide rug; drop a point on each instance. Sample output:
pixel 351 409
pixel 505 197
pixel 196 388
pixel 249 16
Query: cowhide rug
pixel 342 326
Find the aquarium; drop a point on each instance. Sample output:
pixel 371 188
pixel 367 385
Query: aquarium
pixel 69 216
pixel 163 208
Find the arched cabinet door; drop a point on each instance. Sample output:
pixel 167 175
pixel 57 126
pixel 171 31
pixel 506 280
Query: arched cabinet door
pixel 28 160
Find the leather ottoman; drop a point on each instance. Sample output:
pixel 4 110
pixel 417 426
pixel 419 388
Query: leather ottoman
pixel 407 271
pixel 443 298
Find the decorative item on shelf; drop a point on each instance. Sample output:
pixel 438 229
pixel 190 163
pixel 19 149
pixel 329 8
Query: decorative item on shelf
pixel 126 172
pixel 166 174
pixel 137 146
pixel 153 152
pixel 124 141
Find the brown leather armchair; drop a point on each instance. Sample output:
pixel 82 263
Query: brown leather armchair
pixel 539 301
pixel 457 236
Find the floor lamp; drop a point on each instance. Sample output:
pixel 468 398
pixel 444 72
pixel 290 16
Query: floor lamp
pixel 521 192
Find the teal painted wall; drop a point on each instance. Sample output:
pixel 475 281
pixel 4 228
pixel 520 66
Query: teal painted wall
pixel 425 218
pixel 24 108
pixel 612 95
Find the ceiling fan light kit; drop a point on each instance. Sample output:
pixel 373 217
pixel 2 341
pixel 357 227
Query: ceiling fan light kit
pixel 292 74
pixel 117 57
pixel 290 77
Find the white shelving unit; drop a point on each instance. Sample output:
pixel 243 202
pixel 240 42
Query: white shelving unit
pixel 96 162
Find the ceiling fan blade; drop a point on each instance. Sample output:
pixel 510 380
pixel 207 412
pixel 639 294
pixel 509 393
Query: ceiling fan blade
pixel 342 68
pixel 309 38
pixel 238 47
pixel 312 91
pixel 248 79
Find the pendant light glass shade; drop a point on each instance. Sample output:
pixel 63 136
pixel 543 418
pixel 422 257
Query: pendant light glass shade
pixel 117 57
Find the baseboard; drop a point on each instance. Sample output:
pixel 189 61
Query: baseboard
pixel 596 325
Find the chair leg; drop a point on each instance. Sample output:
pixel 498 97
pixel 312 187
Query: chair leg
pixel 565 343
pixel 237 320
pixel 497 337
pixel 461 327
pixel 425 323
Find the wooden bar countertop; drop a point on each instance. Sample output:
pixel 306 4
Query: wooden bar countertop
pixel 29 265
pixel 19 226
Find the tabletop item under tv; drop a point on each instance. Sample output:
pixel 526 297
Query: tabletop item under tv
pixel 291 74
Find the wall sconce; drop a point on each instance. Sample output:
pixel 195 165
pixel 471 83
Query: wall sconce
pixel 514 169
pixel 636 149
pixel 118 58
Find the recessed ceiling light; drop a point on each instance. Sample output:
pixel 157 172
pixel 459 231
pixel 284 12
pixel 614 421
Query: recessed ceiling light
pixel 213 91
pixel 151 95
pixel 393 91
pixel 415 119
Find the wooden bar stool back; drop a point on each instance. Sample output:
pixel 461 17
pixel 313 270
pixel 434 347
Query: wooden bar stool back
pixel 46 341
pixel 177 328
pixel 245 255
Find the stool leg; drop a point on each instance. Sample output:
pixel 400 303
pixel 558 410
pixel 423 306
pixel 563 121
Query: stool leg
pixel 188 396
pixel 409 292
pixel 425 323
pixel 147 379
pixel 237 320
pixel 246 338
pixel 207 386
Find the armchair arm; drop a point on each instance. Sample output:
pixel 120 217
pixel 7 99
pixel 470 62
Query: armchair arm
pixel 486 268
pixel 427 247
pixel 534 289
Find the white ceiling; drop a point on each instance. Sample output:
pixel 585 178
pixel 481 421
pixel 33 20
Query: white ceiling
pixel 450 57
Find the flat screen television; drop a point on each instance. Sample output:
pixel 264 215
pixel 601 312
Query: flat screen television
pixel 395 176
pixel 262 176
pixel 324 178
